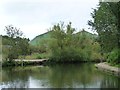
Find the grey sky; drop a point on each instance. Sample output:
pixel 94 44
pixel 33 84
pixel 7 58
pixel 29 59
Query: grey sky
pixel 34 17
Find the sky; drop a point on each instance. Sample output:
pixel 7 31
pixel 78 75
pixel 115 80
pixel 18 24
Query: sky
pixel 35 17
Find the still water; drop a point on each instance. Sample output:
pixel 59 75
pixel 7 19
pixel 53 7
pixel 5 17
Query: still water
pixel 58 76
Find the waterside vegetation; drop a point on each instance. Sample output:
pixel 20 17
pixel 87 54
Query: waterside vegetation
pixel 63 44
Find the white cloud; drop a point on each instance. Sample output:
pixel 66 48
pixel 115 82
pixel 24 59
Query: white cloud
pixel 34 29
pixel 34 17
pixel 57 1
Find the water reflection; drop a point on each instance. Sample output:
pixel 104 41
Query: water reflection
pixel 71 75
pixel 110 82
pixel 13 78
pixel 57 76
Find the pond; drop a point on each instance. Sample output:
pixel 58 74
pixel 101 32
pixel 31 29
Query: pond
pixel 58 76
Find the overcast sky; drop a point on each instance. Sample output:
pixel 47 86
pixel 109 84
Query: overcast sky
pixel 34 17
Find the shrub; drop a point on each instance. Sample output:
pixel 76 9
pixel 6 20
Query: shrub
pixel 8 63
pixel 96 57
pixel 113 56
pixel 38 57
pixel 66 46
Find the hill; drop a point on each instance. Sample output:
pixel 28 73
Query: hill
pixel 88 34
pixel 36 41
pixel 39 38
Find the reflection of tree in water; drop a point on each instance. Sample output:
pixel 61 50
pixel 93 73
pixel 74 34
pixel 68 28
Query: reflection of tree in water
pixel 71 74
pixel 110 82
pixel 15 79
pixel 19 77
pixel 58 76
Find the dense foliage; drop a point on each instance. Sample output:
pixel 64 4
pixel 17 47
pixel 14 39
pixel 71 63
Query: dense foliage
pixel 13 45
pixel 106 23
pixel 67 46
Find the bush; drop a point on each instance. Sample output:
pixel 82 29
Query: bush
pixel 96 57
pixel 8 63
pixel 66 46
pixel 113 56
pixel 66 55
pixel 38 57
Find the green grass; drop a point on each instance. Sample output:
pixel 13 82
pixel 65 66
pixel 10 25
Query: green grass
pixel 114 65
pixel 118 65
pixel 37 56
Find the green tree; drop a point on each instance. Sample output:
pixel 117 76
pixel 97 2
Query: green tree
pixel 106 23
pixel 68 46
pixel 12 31
pixel 13 44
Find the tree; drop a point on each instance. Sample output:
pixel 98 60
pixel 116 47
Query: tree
pixel 68 46
pixel 106 23
pixel 14 44
pixel 13 31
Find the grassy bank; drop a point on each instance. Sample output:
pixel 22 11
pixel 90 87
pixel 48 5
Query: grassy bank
pixel 114 65
pixel 35 56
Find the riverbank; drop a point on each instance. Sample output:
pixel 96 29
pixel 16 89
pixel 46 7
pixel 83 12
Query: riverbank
pixel 24 62
pixel 35 60
pixel 107 68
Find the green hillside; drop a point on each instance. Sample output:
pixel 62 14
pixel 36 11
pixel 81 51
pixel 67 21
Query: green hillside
pixel 38 39
pixel 87 34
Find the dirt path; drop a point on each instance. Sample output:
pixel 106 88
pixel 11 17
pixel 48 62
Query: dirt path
pixel 105 67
